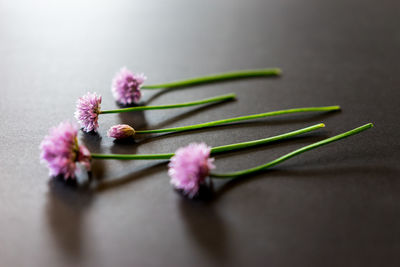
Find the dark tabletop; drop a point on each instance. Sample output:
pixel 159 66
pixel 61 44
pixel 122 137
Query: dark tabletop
pixel 338 205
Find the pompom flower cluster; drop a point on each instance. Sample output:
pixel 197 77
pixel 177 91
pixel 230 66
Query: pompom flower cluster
pixel 87 111
pixel 126 86
pixel 61 152
pixel 189 168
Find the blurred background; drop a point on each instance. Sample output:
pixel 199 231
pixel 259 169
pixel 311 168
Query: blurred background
pixel 338 206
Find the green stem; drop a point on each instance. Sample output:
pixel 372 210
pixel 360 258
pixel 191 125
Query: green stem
pixel 215 150
pixel 292 154
pixel 216 77
pixel 242 118
pixel 180 105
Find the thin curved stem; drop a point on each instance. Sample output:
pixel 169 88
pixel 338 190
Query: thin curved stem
pixel 179 105
pixel 292 154
pixel 236 119
pixel 214 150
pixel 216 77
pixel 238 146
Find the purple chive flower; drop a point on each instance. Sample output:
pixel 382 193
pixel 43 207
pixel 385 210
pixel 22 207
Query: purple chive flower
pixel 87 111
pixel 189 167
pixel 61 152
pixel 121 131
pixel 126 86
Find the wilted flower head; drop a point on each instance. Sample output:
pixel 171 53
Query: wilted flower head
pixel 126 86
pixel 87 111
pixel 121 131
pixel 189 167
pixel 61 152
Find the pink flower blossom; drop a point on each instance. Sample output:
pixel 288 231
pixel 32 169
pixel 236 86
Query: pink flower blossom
pixel 61 152
pixel 87 111
pixel 126 86
pixel 121 131
pixel 189 167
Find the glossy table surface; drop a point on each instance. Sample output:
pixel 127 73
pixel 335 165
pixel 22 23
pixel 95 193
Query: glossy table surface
pixel 336 206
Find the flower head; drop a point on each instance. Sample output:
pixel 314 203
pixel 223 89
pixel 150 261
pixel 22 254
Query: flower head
pixel 189 167
pixel 61 152
pixel 121 131
pixel 126 86
pixel 87 111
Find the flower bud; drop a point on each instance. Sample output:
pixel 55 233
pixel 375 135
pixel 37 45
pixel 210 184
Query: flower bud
pixel 121 131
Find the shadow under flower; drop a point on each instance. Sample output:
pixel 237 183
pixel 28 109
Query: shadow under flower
pixel 124 146
pixel 147 170
pixel 135 119
pixel 206 228
pixel 92 140
pixel 66 203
